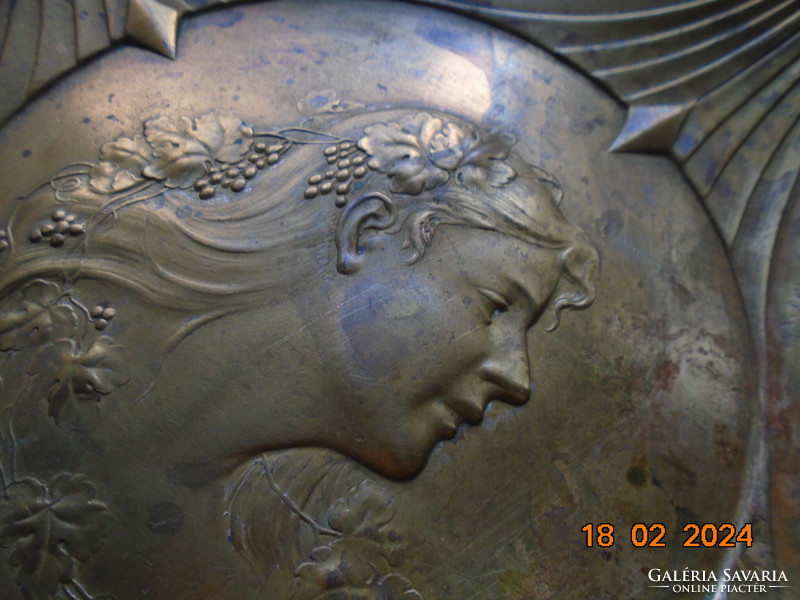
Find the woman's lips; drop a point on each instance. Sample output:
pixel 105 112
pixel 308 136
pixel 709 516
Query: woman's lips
pixel 468 411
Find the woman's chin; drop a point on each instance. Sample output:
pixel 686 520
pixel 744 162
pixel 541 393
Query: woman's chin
pixel 398 462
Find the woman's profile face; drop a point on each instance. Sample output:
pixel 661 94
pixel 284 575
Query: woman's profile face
pixel 423 348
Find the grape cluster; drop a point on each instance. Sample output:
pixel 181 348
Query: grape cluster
pixel 101 316
pixel 3 239
pixel 235 176
pixel 62 224
pixel 348 163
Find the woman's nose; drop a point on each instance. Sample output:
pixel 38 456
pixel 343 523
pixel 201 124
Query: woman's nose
pixel 509 369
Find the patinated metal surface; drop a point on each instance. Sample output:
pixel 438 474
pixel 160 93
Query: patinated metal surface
pixel 258 288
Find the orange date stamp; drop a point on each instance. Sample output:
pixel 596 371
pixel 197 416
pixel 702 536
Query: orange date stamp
pixel 652 535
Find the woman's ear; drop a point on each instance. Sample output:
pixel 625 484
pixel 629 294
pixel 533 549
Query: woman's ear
pixel 368 213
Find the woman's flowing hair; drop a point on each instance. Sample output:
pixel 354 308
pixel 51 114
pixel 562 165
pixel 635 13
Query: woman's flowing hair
pixel 205 217
pixel 169 242
pixel 200 217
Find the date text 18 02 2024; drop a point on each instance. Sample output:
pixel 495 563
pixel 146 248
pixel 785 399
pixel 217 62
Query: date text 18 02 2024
pixel 652 535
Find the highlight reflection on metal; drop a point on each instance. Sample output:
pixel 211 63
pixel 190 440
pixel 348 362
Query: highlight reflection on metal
pixel 248 286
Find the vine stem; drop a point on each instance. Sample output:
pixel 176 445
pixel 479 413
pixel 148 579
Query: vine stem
pixel 176 338
pixel 282 134
pixel 77 305
pixel 12 447
pixel 82 593
pixel 123 200
pixel 3 483
pixel 293 507
pixel 57 176
pixel 4 443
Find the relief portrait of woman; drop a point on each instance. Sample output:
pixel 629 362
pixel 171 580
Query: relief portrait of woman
pixel 233 345
pixel 386 274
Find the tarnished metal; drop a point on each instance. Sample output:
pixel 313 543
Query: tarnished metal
pixel 374 300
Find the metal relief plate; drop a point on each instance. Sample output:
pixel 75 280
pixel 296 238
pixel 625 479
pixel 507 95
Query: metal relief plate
pixel 173 417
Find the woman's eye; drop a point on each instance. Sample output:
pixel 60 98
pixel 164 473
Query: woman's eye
pixel 497 302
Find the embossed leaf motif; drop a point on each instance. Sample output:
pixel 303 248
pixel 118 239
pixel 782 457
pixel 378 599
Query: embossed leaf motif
pixel 64 375
pixel 48 528
pixel 36 316
pixel 423 151
pixel 448 144
pixel 335 574
pixel 363 511
pixel 401 151
pixel 330 574
pixel 485 163
pixel 354 566
pixel 395 586
pixel 183 148
pixel 121 164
